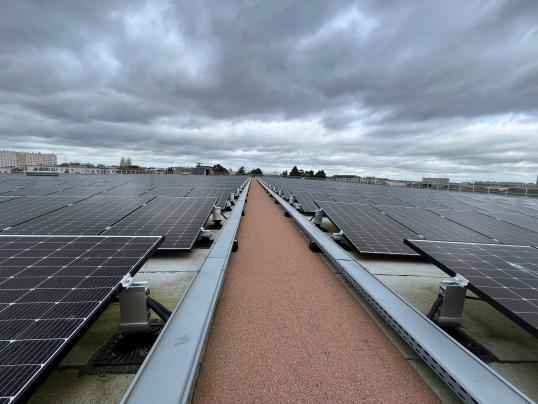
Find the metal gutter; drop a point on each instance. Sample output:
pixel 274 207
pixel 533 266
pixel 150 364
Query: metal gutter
pixel 470 378
pixel 169 373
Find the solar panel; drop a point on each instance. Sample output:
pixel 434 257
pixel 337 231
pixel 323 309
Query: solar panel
pixel 432 226
pixel 129 189
pixel 7 198
pixel 169 191
pixel 307 200
pixel 223 194
pixel 369 230
pixel 81 191
pixel 51 287
pixel 517 219
pixel 503 232
pixel 21 210
pixel 504 275
pixel 91 216
pixel 180 219
pixel 423 203
pixel 43 190
pixel 350 198
pixel 386 201
pixel 455 204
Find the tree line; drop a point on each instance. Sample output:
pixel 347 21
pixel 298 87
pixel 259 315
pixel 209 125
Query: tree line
pixel 296 172
pixel 256 171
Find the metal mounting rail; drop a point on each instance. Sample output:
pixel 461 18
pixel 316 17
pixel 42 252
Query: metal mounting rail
pixel 470 378
pixel 169 373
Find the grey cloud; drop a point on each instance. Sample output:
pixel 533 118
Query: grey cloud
pixel 379 88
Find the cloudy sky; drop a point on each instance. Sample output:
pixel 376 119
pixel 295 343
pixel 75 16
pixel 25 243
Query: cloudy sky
pixel 386 88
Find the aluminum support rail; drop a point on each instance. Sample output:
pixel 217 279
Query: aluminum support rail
pixel 169 373
pixel 470 378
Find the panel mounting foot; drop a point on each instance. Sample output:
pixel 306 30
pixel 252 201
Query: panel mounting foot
pixel 314 247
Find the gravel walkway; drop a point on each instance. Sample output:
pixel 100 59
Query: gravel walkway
pixel 287 330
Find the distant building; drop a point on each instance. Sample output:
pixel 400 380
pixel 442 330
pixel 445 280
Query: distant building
pixel 397 183
pixel 9 158
pixel 435 181
pixel 375 180
pixel 202 170
pixel 82 169
pixel 181 170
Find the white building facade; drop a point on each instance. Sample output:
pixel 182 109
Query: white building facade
pixel 19 159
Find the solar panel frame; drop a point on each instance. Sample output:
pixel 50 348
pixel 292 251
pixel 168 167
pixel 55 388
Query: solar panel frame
pixel 308 199
pixel 517 219
pixel 88 217
pixel 386 201
pixel 20 327
pixel 518 285
pixel 498 230
pixel 7 198
pixel 222 194
pixel 171 216
pixel 176 191
pixel 369 230
pixel 432 226
pixel 23 209
pixel 349 198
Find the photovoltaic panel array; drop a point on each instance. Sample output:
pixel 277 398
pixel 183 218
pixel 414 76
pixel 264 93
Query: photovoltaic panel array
pixel 504 275
pixel 369 230
pixel 424 203
pixel 180 219
pixel 386 201
pixel 43 190
pixel 432 226
pixel 517 219
pixel 503 232
pixel 527 210
pixel 81 191
pixel 222 194
pixel 455 204
pixel 51 289
pixel 7 198
pixel 89 217
pixel 169 191
pixel 21 210
pixel 129 189
pixel 350 198
pixel 307 200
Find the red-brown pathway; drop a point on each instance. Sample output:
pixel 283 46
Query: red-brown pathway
pixel 287 330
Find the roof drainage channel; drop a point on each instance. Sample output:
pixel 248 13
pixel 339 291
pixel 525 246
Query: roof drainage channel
pixel 471 379
pixel 171 367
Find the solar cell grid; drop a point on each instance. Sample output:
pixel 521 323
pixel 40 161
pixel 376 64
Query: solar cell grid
pixel 503 232
pixel 42 314
pixel 386 201
pixel 177 191
pixel 423 203
pixel 129 189
pixel 35 191
pixel 180 219
pixel 432 226
pixel 517 219
pixel 89 217
pixel 350 198
pixel 505 275
pixel 20 210
pixel 222 194
pixel 369 230
pixel 81 191
pixel 307 200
